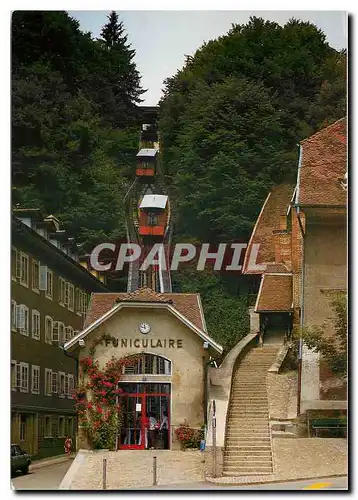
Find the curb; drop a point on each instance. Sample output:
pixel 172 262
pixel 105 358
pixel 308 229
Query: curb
pixel 72 471
pixel 273 481
pixel 38 464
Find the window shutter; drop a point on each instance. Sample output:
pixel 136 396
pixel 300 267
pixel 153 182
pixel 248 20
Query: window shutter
pixel 20 316
pixel 71 385
pixel 55 331
pixel 43 278
pixel 61 333
pixel 67 298
pixel 66 385
pixel 68 333
pixel 18 264
pixel 18 375
pixel 54 383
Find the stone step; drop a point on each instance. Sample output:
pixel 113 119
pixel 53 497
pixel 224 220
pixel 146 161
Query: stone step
pixel 249 447
pixel 249 463
pixel 229 470
pixel 241 435
pixel 258 454
pixel 232 474
pixel 242 410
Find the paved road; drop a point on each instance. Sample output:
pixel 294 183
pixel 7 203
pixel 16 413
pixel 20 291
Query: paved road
pixel 45 478
pixel 333 483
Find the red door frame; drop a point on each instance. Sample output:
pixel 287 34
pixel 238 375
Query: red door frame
pixel 143 397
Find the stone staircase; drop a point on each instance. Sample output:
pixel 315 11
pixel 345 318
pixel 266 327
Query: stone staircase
pixel 248 442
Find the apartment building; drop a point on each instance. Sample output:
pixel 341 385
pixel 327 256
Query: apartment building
pixel 50 293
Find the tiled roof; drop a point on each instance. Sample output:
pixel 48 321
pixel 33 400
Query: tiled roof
pixel 275 293
pixel 323 166
pixel 276 204
pixel 186 303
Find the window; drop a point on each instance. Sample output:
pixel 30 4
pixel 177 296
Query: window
pixel 152 220
pixel 14 381
pixel 69 333
pixel 24 377
pixel 54 383
pixel 48 382
pixel 61 427
pixel 69 426
pixel 55 331
pixel 22 319
pixel 43 278
pixel 48 426
pixel 61 291
pixel 13 263
pixel 13 316
pixel 71 386
pixel 71 297
pixel 66 385
pixel 61 385
pixel 35 329
pixel 150 364
pixel 49 289
pixel 23 419
pixel 48 329
pixel 81 302
pixel 35 271
pixel 24 269
pixel 35 379
pixel 61 334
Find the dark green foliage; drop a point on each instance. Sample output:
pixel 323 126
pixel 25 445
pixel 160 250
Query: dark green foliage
pixel 230 122
pixel 74 130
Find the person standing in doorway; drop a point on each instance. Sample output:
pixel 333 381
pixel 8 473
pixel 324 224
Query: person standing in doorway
pixel 152 432
pixel 164 427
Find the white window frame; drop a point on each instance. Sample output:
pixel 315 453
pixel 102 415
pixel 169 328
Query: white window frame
pixel 22 319
pixel 49 289
pixel 71 297
pixel 13 316
pixel 35 376
pixel 35 288
pixel 61 290
pixel 48 434
pixel 14 257
pixel 61 435
pixel 55 331
pixel 54 382
pixel 48 382
pixel 61 334
pixel 48 335
pixel 14 376
pixel 61 384
pixel 24 280
pixel 36 332
pixel 71 385
pixel 24 381
pixel 68 333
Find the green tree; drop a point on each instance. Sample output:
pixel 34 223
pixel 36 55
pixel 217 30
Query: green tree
pixel 333 349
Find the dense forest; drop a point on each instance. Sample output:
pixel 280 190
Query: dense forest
pixel 230 121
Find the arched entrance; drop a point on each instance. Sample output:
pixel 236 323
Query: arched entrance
pixel 145 406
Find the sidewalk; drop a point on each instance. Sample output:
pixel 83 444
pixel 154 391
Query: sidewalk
pixel 44 462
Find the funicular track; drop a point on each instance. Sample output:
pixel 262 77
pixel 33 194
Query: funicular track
pixel 156 277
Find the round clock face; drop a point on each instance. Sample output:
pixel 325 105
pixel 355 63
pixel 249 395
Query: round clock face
pixel 144 328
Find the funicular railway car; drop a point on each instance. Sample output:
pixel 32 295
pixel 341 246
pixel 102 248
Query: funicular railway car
pixel 153 214
pixel 146 164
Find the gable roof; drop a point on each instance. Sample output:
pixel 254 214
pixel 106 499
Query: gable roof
pixel 323 166
pixel 185 306
pixel 268 220
pixel 275 294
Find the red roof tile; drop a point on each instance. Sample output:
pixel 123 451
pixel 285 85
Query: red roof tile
pixel 275 293
pixel 186 303
pixel 323 166
pixel 276 204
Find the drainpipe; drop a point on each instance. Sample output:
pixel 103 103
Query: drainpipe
pixel 300 347
pixel 206 379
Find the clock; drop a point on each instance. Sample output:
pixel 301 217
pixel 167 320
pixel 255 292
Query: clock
pixel 144 328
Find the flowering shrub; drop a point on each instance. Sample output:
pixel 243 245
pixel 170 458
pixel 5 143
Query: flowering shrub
pixel 100 414
pixel 188 437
